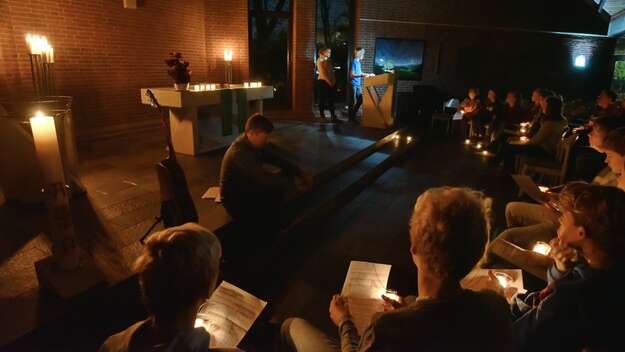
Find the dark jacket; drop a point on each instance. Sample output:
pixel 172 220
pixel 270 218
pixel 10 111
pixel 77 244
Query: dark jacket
pixel 245 181
pixel 581 308
pixel 470 321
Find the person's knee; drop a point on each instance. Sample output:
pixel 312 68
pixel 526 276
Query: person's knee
pixel 512 211
pixel 288 330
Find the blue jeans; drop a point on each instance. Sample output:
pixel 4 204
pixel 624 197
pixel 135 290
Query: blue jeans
pixel 355 101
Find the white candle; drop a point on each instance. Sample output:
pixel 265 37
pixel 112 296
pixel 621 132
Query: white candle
pixel 246 85
pixel 478 146
pixel 47 148
pixel 542 248
pixel 467 141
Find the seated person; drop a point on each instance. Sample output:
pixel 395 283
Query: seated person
pixel 492 108
pixel 614 147
pixel 606 105
pixel 178 271
pixel 582 305
pixel 471 109
pixel 542 144
pixel 510 117
pixel 539 101
pixel 528 223
pixel 250 191
pixel 589 159
pixel 448 231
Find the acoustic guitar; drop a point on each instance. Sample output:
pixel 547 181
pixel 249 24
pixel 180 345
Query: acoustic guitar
pixel 177 207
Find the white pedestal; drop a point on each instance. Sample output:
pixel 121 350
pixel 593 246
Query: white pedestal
pixel 378 111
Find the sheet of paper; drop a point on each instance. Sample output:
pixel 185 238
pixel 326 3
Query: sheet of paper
pixel 213 193
pixel 364 285
pixel 527 185
pixel 478 280
pixel 229 314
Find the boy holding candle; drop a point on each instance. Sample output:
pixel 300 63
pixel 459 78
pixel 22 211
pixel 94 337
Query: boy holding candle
pixel 582 303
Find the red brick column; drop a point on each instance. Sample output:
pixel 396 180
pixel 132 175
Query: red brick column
pixel 303 52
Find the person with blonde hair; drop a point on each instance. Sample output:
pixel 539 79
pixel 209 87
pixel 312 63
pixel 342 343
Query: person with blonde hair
pixel 448 233
pixel 178 271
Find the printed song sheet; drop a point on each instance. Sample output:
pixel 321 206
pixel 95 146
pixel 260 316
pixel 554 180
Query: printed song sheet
pixel 478 280
pixel 228 315
pixel 213 193
pixel 364 285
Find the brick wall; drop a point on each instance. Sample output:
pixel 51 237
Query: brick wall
pixel 461 51
pixel 105 53
pixel 303 53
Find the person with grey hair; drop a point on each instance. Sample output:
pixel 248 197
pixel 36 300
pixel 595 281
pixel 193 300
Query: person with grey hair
pixel 178 271
pixel 356 75
pixel 448 232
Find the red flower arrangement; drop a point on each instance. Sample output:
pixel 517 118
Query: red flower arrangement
pixel 178 68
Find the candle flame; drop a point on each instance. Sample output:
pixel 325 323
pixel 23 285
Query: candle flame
pixel 542 248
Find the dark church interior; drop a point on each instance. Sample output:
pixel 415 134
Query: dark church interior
pixel 312 175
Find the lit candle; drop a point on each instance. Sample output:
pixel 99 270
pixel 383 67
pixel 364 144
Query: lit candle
pixel 392 294
pixel 467 141
pixel 524 139
pixel 228 55
pixel 504 279
pixel 47 148
pixel 409 139
pixel 246 85
pixel 484 152
pixel 542 248
pixel 260 84
pixel 478 145
pixel 523 130
pixel 396 136
pixel 543 188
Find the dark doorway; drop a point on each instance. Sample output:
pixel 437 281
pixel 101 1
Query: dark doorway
pixel 335 29
pixel 270 42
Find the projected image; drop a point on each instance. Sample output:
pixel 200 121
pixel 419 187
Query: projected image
pixel 402 56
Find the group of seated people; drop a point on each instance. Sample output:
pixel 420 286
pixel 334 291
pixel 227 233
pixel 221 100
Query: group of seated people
pixel 501 127
pixel 579 309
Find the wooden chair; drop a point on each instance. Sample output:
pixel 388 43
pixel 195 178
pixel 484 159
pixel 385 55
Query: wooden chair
pixel 555 168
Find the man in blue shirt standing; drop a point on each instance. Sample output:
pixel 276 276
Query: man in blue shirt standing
pixel 356 76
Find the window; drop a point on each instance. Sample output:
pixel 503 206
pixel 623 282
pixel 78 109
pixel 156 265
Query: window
pixel 270 36
pixel 335 29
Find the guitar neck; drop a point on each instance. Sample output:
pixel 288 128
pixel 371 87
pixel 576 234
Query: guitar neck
pixel 167 129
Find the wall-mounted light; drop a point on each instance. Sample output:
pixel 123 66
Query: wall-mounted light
pixel 228 55
pixel 580 61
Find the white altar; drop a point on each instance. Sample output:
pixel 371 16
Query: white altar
pixel 202 121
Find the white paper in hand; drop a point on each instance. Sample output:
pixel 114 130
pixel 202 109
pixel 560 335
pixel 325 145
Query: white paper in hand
pixel 213 193
pixel 364 285
pixel 228 315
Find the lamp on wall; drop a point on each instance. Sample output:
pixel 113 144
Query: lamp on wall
pixel 580 61
pixel 228 61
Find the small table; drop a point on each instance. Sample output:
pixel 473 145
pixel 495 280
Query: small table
pixel 202 121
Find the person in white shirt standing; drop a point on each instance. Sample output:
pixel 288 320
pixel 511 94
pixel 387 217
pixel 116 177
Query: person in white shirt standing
pixel 326 82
